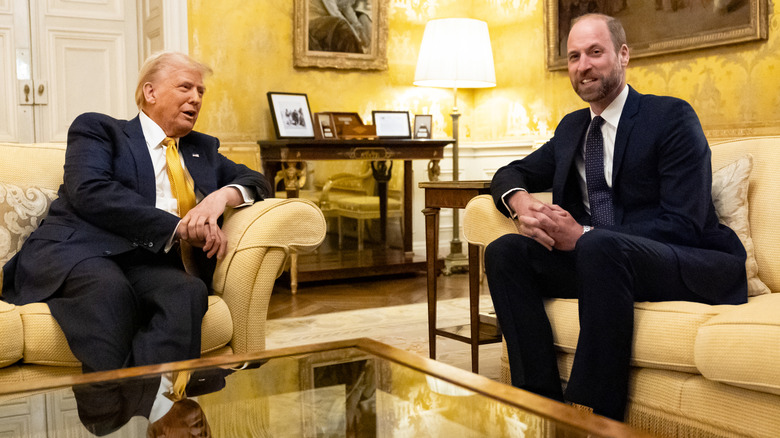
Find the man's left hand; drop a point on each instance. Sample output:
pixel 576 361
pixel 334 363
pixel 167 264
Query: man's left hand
pixel 560 225
pixel 200 225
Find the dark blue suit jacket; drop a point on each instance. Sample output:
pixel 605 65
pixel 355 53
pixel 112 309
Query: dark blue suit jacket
pixel 661 183
pixel 106 204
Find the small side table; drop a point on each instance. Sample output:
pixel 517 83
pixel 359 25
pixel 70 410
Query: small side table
pixel 453 194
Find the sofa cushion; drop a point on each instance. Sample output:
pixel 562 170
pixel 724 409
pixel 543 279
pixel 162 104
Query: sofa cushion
pixel 45 343
pixel 664 332
pixel 21 210
pixel 12 338
pixel 730 196
pixel 740 347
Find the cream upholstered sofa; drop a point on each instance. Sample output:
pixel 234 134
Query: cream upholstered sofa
pixel 699 370
pixel 260 239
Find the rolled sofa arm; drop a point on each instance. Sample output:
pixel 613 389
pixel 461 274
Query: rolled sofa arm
pixel 260 238
pixel 12 339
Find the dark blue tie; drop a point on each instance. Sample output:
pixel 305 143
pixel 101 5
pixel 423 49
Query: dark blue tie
pixel 599 193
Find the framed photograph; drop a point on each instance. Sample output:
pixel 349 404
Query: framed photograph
pixel 291 115
pixel 423 126
pixel 661 26
pixel 325 127
pixel 392 124
pixel 340 34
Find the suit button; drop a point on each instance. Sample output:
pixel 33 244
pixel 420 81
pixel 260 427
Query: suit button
pixel 106 253
pixel 150 244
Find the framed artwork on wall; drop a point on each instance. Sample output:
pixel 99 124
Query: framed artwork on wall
pixel 661 26
pixel 392 124
pixel 340 34
pixel 291 115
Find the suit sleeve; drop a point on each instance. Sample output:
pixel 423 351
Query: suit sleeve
pixel 233 173
pixel 102 185
pixel 533 173
pixel 682 201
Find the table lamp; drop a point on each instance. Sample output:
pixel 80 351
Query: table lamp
pixel 455 53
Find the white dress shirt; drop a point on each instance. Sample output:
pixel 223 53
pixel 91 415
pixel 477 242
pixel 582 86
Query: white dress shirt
pixel 165 200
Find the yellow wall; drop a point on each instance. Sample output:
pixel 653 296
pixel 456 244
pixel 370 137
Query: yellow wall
pixel 735 89
pixel 250 46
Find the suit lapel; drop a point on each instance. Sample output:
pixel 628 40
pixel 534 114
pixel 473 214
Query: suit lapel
pixel 143 162
pixel 627 120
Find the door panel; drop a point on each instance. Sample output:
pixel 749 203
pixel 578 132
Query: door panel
pixel 87 59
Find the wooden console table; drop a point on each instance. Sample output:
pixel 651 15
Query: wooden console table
pixel 273 152
pixel 453 194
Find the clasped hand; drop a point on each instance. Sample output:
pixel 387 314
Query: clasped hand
pixel 548 224
pixel 200 227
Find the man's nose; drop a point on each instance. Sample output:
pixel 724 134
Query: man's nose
pixel 583 64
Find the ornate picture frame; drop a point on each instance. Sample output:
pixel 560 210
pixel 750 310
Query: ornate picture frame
pixel 326 36
pixel 661 26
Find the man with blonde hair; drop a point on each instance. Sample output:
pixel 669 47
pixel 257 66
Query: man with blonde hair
pixel 140 199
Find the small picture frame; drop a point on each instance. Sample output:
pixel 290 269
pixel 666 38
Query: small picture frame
pixel 423 126
pixel 291 115
pixel 325 126
pixel 392 124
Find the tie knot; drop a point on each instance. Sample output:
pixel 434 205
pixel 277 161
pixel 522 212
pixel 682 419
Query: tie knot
pixel 169 142
pixel 596 122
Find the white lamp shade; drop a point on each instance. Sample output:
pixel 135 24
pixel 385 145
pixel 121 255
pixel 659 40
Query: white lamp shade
pixel 455 53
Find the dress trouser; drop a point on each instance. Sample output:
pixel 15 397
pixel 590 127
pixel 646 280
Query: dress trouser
pixel 607 272
pixel 133 309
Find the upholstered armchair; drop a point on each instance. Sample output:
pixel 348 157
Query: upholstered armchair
pixel 261 238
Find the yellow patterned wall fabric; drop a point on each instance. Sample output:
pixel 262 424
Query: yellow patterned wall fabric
pixel 735 89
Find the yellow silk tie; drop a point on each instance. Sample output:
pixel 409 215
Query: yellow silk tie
pixel 185 197
pixel 184 193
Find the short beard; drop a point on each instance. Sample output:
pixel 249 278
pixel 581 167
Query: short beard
pixel 609 83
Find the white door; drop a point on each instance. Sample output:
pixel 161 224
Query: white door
pixel 61 58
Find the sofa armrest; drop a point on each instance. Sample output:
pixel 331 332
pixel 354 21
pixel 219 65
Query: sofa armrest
pixel 260 238
pixel 12 339
pixel 483 223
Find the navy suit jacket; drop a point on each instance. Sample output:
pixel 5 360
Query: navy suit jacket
pixel 661 184
pixel 106 204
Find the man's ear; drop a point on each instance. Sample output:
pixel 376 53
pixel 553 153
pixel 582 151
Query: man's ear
pixel 149 95
pixel 624 55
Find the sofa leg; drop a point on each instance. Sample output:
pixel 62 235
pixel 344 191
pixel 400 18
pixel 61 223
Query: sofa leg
pixel 293 272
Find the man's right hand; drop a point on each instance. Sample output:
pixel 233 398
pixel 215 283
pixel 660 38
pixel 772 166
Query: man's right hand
pixel 531 212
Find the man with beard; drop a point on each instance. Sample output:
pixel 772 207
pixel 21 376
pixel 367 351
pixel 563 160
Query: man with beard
pixel 632 219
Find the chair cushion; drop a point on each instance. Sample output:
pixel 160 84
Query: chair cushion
pixel 45 343
pixel 664 332
pixel 740 347
pixel 12 338
pixel 730 196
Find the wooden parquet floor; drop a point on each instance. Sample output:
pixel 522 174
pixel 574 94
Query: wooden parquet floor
pixel 315 298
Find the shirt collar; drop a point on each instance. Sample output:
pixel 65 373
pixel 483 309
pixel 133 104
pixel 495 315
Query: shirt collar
pixel 153 134
pixel 611 113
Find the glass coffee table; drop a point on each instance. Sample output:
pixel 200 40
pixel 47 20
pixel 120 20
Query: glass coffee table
pixel 354 388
